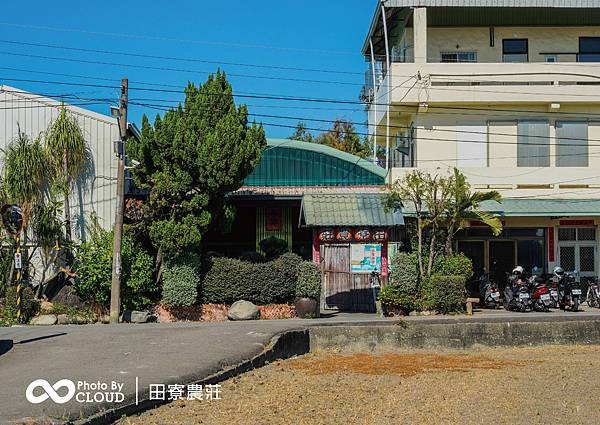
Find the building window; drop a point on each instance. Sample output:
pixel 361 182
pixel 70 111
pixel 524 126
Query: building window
pixel 533 144
pixel 550 58
pixel 571 144
pixel 459 57
pixel 515 50
pixel 589 49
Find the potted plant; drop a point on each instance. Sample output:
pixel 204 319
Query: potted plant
pixel 308 291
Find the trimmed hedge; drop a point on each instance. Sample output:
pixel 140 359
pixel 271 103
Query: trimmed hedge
pixel 227 280
pixel 309 280
pixel 180 279
pixel 392 297
pixel 456 265
pixel 405 272
pixel 448 293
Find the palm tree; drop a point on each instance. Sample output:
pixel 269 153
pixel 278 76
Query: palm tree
pixel 26 172
pixel 68 153
pixel 464 205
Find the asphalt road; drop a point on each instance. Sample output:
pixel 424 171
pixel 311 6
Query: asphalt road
pixel 155 354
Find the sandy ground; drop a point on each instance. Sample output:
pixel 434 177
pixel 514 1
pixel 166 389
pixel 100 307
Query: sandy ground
pixel 538 385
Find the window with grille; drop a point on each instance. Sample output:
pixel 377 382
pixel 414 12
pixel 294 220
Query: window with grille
pixel 567 234
pixel 459 57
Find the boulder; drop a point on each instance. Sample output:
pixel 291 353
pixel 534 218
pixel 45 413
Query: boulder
pixel 67 296
pixel 243 310
pixel 132 316
pixel 44 320
pixel 63 319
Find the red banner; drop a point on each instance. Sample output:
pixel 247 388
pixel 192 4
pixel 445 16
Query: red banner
pixel 550 244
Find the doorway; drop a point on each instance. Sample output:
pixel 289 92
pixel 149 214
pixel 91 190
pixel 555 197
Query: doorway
pixel 501 258
pixel 342 289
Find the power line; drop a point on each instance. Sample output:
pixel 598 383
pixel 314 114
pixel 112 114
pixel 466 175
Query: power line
pixel 180 59
pixel 177 40
pixel 188 71
pixel 303 119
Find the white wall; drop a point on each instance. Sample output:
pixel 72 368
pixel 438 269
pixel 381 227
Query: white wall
pixel 33 114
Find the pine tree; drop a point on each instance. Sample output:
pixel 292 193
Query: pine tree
pixel 190 159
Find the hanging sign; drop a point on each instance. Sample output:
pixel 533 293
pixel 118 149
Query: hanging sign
pixel 362 235
pixel 344 235
pixel 18 262
pixel 380 235
pixel 326 235
pixel 365 258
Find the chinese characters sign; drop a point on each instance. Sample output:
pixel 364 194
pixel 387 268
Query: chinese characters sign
pixel 365 258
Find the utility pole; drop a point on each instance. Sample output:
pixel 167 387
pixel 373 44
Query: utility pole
pixel 115 289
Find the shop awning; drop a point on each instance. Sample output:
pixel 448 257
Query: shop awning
pixel 351 209
pixel 531 207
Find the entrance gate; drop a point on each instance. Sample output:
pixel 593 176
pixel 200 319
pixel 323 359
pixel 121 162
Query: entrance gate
pixel 342 289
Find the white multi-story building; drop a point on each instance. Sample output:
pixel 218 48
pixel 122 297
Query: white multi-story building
pixel 508 91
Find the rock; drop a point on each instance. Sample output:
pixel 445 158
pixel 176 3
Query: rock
pixel 67 296
pixel 243 310
pixel 44 320
pixel 132 316
pixel 63 319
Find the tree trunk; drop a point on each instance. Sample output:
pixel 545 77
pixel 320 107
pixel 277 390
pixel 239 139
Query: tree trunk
pixel 449 243
pixel 67 205
pixel 420 247
pixel 158 266
pixel 431 251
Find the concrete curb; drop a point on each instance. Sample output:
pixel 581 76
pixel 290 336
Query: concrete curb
pixel 457 335
pixel 282 346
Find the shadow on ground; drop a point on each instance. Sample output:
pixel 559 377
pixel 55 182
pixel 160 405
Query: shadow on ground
pixel 5 346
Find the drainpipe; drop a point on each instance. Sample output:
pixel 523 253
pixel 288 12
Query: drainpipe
pixel 375 90
pixel 389 78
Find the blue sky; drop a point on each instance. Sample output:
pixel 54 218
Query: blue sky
pixel 315 34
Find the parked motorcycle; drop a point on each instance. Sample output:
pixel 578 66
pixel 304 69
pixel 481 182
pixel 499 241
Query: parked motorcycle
pixel 593 294
pixel 516 294
pixel 569 291
pixel 540 293
pixel 488 292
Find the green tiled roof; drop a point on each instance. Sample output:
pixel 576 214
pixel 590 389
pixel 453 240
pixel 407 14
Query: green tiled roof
pixel 352 209
pixel 531 207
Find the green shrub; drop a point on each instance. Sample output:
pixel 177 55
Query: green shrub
pixel 226 280
pixel 424 300
pixel 180 280
pixel 94 269
pixel 448 293
pixel 393 297
pixel 455 265
pixel 273 247
pixel 405 272
pixel 309 280
pixel 30 307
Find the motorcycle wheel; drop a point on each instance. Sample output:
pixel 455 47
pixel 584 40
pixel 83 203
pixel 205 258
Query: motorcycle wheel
pixel 575 304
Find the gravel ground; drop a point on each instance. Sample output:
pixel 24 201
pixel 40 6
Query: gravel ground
pixel 539 385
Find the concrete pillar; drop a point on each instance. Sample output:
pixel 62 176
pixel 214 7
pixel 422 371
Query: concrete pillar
pixel 420 34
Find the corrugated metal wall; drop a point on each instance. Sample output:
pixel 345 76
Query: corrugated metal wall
pixel 284 233
pixel 96 192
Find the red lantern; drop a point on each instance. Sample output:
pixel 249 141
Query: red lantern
pixel 326 235
pixel 362 235
pixel 344 235
pixel 380 235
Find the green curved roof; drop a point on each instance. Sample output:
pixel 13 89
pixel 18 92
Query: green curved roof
pixel 293 163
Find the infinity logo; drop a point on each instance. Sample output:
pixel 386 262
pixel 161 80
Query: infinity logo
pixel 50 391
